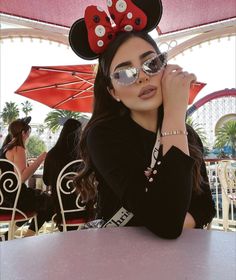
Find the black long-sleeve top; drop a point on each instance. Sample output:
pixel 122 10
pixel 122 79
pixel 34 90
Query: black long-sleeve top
pixel 120 151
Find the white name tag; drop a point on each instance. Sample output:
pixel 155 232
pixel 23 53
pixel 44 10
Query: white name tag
pixel 120 219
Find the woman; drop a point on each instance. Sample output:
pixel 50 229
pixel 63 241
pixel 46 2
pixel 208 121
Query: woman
pixel 65 150
pixel 147 163
pixel 14 150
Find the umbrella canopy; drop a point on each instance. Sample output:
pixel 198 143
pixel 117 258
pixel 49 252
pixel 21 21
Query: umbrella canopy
pixel 177 15
pixel 194 90
pixel 61 87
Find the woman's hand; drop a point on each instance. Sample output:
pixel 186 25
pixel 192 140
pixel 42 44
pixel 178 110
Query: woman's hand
pixel 175 93
pixel 189 221
pixel 42 157
pixel 175 90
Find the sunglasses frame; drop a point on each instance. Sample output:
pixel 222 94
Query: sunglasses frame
pixel 141 68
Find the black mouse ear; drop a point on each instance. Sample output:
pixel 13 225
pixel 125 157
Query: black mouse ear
pixel 153 10
pixel 78 39
pixel 26 120
pixel 78 35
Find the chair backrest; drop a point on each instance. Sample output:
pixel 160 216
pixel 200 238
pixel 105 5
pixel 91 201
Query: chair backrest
pixel 10 187
pixel 227 176
pixel 69 200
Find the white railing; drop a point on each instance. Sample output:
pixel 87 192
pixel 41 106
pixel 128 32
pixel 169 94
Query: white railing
pixel 225 207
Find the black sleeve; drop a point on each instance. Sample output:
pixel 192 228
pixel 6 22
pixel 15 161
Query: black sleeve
pixel 202 206
pixel 163 208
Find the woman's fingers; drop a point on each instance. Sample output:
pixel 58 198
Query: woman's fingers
pixel 175 85
pixel 171 69
pixel 176 71
pixel 188 77
pixel 192 77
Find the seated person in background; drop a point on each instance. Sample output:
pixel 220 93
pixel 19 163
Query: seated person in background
pixel 65 150
pixel 13 149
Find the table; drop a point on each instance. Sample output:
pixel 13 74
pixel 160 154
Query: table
pixel 36 180
pixel 38 175
pixel 129 253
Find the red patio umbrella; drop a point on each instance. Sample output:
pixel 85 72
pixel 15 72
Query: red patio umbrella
pixel 194 90
pixel 61 87
pixel 68 87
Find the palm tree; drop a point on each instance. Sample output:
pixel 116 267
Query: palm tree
pixel 56 118
pixel 40 129
pixel 199 129
pixel 26 107
pixel 226 135
pixel 10 112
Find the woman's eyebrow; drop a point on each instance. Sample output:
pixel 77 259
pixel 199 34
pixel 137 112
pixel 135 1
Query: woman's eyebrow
pixel 142 56
pixel 128 63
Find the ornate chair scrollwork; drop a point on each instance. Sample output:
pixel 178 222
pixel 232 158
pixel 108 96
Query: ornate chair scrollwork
pixel 67 196
pixel 10 188
pixel 227 177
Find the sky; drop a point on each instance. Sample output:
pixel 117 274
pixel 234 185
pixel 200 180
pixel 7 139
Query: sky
pixel 17 58
pixel 212 63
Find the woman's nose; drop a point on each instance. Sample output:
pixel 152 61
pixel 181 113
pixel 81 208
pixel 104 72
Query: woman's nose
pixel 143 77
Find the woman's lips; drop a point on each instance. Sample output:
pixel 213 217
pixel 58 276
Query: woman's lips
pixel 147 92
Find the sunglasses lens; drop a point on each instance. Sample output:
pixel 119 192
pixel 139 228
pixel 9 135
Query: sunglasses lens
pixel 151 67
pixel 154 65
pixel 126 76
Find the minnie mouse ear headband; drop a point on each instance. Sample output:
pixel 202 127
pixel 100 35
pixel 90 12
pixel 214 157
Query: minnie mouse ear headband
pixel 90 36
pixel 26 120
pixel 22 122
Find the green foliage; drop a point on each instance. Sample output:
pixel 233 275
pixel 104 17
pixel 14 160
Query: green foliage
pixel 40 129
pixel 10 112
pixel 35 146
pixel 206 151
pixel 54 118
pixel 199 129
pixel 26 107
pixel 226 135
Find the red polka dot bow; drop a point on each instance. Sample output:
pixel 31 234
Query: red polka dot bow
pixel 125 15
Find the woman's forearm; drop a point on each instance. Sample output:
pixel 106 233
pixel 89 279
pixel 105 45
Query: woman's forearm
pixel 29 170
pixel 180 140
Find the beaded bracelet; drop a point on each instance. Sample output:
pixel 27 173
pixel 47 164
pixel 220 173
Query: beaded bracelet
pixel 174 132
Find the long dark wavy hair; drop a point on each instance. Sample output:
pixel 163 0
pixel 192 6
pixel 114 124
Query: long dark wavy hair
pixel 68 141
pixel 14 137
pixel 64 151
pixel 106 107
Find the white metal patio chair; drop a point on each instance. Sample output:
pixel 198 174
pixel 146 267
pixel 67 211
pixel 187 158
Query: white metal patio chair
pixel 10 186
pixel 227 177
pixel 66 191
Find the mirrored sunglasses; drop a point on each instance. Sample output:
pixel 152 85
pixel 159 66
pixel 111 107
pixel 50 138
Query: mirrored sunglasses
pixel 151 66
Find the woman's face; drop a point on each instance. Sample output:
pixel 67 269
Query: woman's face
pixel 26 134
pixel 145 93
